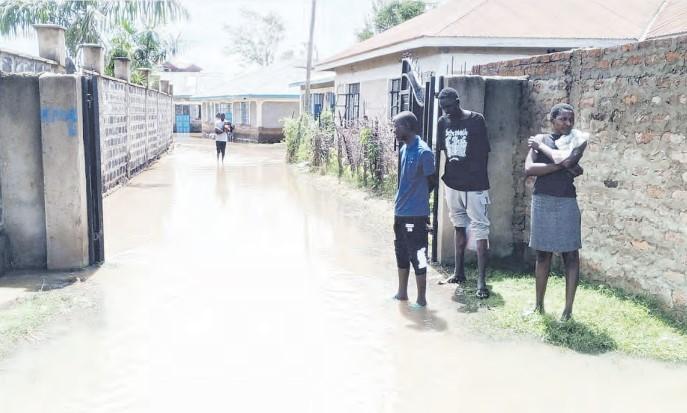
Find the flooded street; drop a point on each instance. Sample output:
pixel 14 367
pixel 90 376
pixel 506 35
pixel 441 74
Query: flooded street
pixel 248 288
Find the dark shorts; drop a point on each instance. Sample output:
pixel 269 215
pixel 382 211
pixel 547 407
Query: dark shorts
pixel 221 147
pixel 411 243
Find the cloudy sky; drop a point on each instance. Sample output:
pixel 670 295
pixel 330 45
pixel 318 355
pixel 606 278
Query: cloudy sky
pixel 205 39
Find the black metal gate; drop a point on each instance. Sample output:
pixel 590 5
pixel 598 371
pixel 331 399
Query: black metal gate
pixel 94 183
pixel 421 100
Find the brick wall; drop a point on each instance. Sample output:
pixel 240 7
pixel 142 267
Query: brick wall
pixel 11 62
pixel 633 99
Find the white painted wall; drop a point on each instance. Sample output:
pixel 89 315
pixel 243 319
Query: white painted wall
pixel 374 75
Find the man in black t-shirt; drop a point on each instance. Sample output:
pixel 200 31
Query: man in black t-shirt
pixel 462 135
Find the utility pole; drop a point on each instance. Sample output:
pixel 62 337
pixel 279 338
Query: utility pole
pixel 309 65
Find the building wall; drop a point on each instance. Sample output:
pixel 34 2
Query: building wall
pixel 273 113
pixel 633 195
pixel 374 75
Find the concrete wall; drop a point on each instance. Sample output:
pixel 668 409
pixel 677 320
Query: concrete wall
pixel 12 62
pixel 64 172
pixel 21 168
pixel 633 195
pixel 499 101
pixel 273 113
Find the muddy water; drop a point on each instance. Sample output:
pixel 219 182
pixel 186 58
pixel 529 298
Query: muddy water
pixel 247 289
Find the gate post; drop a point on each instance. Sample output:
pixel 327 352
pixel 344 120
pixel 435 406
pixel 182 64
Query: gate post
pixel 64 170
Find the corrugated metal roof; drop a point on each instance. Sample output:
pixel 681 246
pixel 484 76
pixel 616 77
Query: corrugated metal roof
pixel 671 20
pixel 530 19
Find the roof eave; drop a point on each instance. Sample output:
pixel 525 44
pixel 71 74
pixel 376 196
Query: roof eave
pixel 474 42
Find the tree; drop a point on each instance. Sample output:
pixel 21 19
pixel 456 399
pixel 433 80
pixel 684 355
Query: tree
pixel 257 39
pixel 86 21
pixel 389 13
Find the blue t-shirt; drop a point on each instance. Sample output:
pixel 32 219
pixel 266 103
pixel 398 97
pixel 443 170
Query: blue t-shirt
pixel 417 163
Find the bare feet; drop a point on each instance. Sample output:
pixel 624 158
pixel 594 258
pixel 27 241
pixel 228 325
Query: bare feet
pixel 401 297
pixel 538 309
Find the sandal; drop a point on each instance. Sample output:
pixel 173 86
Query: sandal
pixel 482 293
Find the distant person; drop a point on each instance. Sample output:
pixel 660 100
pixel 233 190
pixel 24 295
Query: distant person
pixel 411 207
pixel 220 136
pixel 555 216
pixel 462 135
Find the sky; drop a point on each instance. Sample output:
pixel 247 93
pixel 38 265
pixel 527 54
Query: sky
pixel 204 37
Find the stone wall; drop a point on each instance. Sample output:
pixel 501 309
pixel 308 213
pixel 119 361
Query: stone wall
pixel 633 100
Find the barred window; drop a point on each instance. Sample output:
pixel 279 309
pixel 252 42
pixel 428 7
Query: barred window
pixel 395 97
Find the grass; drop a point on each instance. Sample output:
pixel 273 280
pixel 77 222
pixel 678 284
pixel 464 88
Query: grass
pixel 604 319
pixel 26 317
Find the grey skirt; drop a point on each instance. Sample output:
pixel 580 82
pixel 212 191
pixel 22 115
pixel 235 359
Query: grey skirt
pixel 555 224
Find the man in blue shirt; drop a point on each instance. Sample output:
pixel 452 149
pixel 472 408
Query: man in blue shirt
pixel 411 208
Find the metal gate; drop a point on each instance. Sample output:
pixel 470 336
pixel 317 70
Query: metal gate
pixel 421 100
pixel 94 183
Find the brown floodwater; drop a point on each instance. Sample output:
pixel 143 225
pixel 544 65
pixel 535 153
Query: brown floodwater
pixel 247 288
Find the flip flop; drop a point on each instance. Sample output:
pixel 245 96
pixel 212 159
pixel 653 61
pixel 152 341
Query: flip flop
pixel 417 306
pixel 482 293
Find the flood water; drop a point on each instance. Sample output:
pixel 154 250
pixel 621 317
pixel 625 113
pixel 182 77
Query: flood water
pixel 249 289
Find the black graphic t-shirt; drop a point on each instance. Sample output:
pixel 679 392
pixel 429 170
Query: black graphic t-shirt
pixel 467 151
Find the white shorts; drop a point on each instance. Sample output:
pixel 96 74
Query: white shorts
pixel 469 208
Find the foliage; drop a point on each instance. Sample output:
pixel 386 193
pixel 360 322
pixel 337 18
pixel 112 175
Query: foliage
pixel 362 153
pixel 256 39
pixel 145 48
pixel 389 13
pixel 86 21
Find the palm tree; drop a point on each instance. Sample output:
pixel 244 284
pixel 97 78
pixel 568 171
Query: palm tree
pixel 86 21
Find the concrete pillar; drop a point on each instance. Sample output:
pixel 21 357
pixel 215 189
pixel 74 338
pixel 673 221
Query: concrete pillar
pixel 93 57
pixel 258 112
pixel 21 169
pixel 164 86
pixel 471 90
pixel 122 68
pixel 502 113
pixel 171 89
pixel 51 43
pixel 66 218
pixel 145 72
pixel 154 82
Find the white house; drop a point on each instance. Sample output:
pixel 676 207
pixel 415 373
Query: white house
pixel 459 34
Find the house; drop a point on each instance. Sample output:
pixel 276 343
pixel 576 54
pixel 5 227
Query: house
pixel 322 93
pixel 455 36
pixel 186 78
pixel 256 103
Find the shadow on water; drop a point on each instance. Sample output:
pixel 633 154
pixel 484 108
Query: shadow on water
pixel 577 336
pixel 424 319
pixel 471 304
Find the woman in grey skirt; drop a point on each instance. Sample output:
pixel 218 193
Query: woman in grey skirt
pixel 555 216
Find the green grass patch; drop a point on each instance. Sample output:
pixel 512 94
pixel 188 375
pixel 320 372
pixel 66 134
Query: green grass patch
pixel 25 318
pixel 604 319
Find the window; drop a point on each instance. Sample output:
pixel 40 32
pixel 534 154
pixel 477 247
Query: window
pixel 245 113
pixel 352 102
pixel 395 97
pixel 330 101
pixel 317 104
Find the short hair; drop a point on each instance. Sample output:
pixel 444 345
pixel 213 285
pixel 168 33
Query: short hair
pixel 217 115
pixel 408 119
pixel 222 116
pixel 448 92
pixel 561 107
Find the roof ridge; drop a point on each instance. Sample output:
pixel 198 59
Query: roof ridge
pixel 648 28
pixel 482 3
